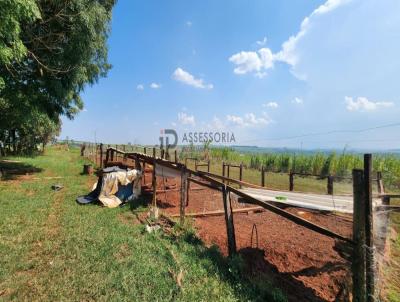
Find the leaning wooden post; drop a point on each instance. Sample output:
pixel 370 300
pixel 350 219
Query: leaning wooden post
pixel 369 234
pixel 329 185
pixel 291 181
pixel 101 156
pixel 183 195
pixel 230 228
pixel 358 257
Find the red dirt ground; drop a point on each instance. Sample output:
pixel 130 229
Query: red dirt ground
pixel 307 266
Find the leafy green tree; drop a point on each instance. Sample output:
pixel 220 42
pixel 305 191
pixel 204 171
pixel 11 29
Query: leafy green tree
pixel 49 51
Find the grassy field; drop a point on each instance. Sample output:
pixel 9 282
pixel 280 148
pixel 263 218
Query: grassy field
pixel 53 249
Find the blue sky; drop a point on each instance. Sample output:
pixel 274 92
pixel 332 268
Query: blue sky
pixel 268 71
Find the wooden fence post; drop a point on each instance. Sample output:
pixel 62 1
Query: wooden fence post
pixel 154 185
pixel 262 176
pixel 208 166
pixel 223 171
pixel 124 148
pixel 291 181
pixel 183 195
pixel 112 154
pixel 227 172
pixel 107 156
pixel 154 152
pixel 329 185
pixel 241 172
pixel 381 189
pixel 101 156
pixel 176 156
pixel 358 257
pixel 230 228
pixel 195 164
pixel 369 234
pixel 145 150
pixel 187 190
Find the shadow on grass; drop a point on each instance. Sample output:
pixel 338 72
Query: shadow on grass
pixel 12 169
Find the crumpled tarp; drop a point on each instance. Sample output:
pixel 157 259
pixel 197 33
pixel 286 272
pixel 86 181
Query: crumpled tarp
pixel 111 182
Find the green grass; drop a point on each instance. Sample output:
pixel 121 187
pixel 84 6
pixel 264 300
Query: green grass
pixel 53 249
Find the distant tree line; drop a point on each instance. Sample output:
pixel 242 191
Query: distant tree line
pixel 49 51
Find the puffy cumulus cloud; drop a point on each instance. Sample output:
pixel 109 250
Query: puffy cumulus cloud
pixel 140 87
pixel 363 104
pixel 271 105
pixel 186 119
pixel 248 120
pixel 155 86
pixel 252 61
pixel 263 59
pixel 185 77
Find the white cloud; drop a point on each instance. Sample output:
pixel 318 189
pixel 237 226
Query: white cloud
pixel 363 104
pixel 189 23
pixel 140 87
pixel 173 124
pixel 262 42
pixel 185 77
pixel 251 61
pixel 289 54
pixel 297 101
pixel 248 120
pixel 264 58
pixel 155 85
pixel 271 105
pixel 186 119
